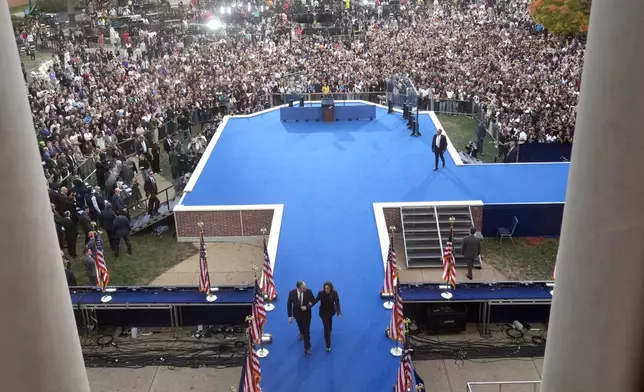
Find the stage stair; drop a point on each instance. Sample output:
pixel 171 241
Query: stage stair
pixel 426 230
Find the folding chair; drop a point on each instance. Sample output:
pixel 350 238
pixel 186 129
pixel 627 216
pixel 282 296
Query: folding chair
pixel 505 232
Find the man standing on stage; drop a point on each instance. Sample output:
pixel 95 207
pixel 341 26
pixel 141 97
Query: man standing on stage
pixel 299 305
pixel 439 145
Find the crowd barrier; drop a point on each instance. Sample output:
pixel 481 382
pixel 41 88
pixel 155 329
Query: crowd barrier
pixel 545 152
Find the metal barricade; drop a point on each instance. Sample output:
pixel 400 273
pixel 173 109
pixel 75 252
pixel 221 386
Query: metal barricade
pixel 504 386
pixel 379 97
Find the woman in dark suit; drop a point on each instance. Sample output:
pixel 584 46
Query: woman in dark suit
pixel 329 307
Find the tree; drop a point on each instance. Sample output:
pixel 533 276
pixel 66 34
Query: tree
pixel 562 16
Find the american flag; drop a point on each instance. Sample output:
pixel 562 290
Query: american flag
pixel 268 284
pixel 259 315
pixel 403 379
pixel 99 259
pixel 204 276
pixel 391 270
pixel 397 325
pixel 449 263
pixel 252 370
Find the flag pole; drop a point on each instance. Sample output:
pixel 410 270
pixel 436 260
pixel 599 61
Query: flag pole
pixel 269 307
pixel 262 352
pixel 447 269
pixel 210 297
pixel 389 304
pixel 99 275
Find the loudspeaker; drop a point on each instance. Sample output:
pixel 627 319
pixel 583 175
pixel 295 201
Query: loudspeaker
pixel 446 318
pixel 290 103
pixel 405 112
pixel 390 105
pixel 302 102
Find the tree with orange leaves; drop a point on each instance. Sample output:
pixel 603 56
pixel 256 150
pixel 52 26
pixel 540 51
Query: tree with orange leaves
pixel 565 17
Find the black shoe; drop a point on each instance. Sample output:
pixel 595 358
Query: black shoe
pixel 299 337
pixel 328 349
pixel 436 169
pixel 307 352
pixel 443 165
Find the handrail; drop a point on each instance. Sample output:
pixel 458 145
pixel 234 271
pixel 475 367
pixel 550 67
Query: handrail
pixel 402 223
pixel 535 384
pixel 438 227
pixel 146 200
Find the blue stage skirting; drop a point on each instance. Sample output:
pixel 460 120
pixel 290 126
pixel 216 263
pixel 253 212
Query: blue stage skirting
pixel 476 292
pixel 160 296
pixel 545 152
pixel 340 112
pixel 161 307
pixel 535 220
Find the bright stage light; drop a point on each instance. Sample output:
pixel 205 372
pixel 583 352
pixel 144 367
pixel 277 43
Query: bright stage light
pixel 215 24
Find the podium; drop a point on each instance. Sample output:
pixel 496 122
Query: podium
pixel 327 109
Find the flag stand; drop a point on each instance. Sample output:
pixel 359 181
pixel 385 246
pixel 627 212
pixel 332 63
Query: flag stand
pixel 262 352
pixel 99 275
pixel 447 272
pixel 389 304
pixel 210 297
pixel 269 307
pixel 397 351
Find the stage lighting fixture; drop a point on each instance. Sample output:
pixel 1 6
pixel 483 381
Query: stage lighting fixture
pixel 267 338
pixel 215 24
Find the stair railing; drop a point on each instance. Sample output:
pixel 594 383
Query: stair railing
pixel 143 204
pixel 402 223
pixel 503 386
pixel 438 227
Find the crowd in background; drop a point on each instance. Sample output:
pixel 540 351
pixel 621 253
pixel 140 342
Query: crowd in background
pixel 119 106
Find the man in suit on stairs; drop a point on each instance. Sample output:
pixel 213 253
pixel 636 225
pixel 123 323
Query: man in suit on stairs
pixel 299 306
pixel 439 145
pixel 470 250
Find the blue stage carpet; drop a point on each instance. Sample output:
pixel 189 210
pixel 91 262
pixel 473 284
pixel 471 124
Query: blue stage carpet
pixel 328 176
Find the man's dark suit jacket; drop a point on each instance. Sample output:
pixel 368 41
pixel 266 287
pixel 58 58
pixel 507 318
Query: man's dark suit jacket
pixel 511 156
pixel 471 247
pixel 442 143
pixel 293 305
pixel 117 203
pixel 70 228
pixel 85 223
pixel 150 187
pixel 122 227
pixel 107 218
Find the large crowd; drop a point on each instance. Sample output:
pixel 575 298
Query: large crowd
pixel 117 103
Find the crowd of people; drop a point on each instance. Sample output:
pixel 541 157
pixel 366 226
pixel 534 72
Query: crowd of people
pixel 113 110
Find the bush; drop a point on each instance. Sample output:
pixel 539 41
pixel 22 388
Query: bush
pixel 565 17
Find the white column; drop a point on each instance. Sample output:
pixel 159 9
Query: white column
pixel 39 343
pixel 595 342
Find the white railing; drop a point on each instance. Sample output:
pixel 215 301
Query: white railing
pixel 502 386
pixel 438 226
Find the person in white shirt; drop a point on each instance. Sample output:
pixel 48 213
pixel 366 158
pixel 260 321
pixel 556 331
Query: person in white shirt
pixel 522 137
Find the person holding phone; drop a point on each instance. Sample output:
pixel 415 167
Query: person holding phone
pixel 329 307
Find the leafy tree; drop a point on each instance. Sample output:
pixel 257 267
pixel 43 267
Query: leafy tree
pixel 563 17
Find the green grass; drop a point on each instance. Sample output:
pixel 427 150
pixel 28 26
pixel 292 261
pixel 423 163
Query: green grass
pixel 525 259
pixel 461 130
pixel 151 256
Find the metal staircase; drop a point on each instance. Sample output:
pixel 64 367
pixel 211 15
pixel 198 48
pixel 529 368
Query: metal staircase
pixel 426 230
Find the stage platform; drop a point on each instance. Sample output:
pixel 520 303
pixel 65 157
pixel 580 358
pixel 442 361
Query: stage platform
pixel 341 111
pixel 324 180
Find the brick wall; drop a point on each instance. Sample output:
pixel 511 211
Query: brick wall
pixel 223 223
pixel 477 216
pixel 392 217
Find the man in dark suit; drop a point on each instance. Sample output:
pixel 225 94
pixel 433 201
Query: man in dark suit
pixel 71 235
pixel 151 190
pixel 85 222
pixel 470 250
pixel 118 206
pixel 439 145
pixel 106 219
pixel 299 306
pixel 122 230
pixel 511 155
